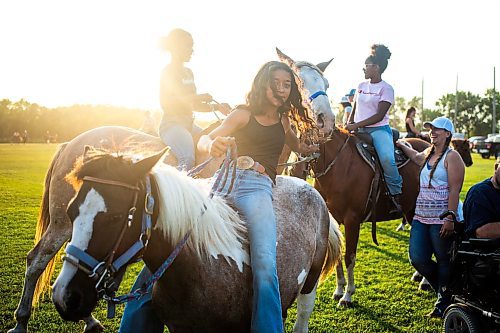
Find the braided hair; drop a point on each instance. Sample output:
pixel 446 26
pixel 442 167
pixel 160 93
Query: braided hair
pixel 431 152
pixel 293 106
pixel 380 55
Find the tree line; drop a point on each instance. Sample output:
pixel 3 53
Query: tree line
pixel 62 123
pixel 474 115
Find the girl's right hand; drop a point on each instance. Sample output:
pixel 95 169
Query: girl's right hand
pixel 205 98
pixel 220 145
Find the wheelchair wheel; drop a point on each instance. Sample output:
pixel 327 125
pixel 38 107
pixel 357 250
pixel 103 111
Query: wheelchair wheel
pixel 459 320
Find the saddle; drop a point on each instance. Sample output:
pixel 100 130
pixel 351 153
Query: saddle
pixel 364 146
pixel 367 151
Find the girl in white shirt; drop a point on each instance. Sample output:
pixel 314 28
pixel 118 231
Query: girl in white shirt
pixel 372 101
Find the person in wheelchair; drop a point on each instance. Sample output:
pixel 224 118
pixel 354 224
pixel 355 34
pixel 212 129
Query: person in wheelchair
pixel 475 262
pixel 482 207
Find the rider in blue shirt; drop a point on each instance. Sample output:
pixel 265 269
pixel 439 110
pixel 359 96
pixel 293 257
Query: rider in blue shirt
pixel 482 207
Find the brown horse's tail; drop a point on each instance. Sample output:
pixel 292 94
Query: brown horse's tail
pixel 43 282
pixel 334 249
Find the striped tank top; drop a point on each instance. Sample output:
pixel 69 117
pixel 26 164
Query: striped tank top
pixel 433 200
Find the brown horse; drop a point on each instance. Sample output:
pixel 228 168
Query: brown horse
pixel 344 180
pixel 107 215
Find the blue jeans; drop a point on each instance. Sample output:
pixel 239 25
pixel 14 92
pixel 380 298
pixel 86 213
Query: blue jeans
pixel 382 141
pixel 252 195
pixel 139 315
pixel 179 137
pixel 424 242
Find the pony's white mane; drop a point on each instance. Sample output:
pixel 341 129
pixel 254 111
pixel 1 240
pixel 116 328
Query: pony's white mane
pixel 216 229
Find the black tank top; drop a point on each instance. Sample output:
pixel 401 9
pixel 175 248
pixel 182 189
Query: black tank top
pixel 410 133
pixel 262 143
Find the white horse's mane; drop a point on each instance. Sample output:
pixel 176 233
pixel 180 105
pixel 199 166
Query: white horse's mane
pixel 216 229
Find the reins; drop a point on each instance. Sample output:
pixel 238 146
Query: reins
pixel 332 163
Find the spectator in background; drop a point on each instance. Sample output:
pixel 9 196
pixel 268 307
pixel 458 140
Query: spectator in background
pixel 345 107
pixel 25 136
pixel 179 98
pixel 348 108
pixel 47 137
pixel 441 180
pixel 411 130
pixel 482 207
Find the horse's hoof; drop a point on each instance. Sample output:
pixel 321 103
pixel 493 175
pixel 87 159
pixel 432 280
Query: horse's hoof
pixel 345 304
pixel 20 328
pixel 416 277
pixel 400 227
pixel 337 297
pixel 95 327
pixel 425 287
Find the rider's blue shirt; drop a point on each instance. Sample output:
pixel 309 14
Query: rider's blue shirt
pixel 481 206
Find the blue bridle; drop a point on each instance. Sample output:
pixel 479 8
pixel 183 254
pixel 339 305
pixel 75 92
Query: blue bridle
pixel 316 94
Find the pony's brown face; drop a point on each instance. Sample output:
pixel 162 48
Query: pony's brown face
pixel 98 214
pixel 102 230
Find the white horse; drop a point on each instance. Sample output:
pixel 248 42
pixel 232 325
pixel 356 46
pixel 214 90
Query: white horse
pixel 54 228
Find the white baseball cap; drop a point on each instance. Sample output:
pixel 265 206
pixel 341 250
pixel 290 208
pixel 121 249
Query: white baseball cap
pixel 441 122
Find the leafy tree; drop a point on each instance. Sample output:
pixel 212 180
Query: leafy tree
pixel 486 105
pixel 469 114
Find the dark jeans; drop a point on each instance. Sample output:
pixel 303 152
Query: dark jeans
pixel 424 242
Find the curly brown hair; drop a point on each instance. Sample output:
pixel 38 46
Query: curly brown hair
pixel 294 106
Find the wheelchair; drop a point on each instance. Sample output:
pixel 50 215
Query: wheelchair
pixel 474 284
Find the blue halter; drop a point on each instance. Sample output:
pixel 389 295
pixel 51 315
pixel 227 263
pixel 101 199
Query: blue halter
pixel 316 94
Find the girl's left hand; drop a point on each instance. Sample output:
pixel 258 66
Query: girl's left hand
pixel 446 229
pixel 351 127
pixel 309 149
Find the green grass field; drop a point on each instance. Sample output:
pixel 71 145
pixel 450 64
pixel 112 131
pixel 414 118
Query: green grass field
pixel 385 299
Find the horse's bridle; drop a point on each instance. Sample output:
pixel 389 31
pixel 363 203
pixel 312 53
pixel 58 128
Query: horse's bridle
pixel 104 271
pixel 332 163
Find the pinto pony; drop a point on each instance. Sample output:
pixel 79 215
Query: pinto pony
pixel 208 286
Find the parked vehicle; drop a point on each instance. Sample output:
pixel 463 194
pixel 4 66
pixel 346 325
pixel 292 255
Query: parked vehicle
pixel 473 140
pixel 491 147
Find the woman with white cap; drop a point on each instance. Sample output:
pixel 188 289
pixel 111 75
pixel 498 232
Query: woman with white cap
pixel 441 180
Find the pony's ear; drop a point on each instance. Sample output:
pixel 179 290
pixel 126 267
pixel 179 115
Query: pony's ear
pixel 323 65
pixel 88 151
pixel 146 164
pixel 284 58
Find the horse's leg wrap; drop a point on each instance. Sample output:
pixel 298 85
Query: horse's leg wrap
pixel 346 300
pixel 341 283
pixel 305 306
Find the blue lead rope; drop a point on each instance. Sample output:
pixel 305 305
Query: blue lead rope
pixel 146 288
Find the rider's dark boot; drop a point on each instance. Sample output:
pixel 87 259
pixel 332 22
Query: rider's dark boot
pixel 396 201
